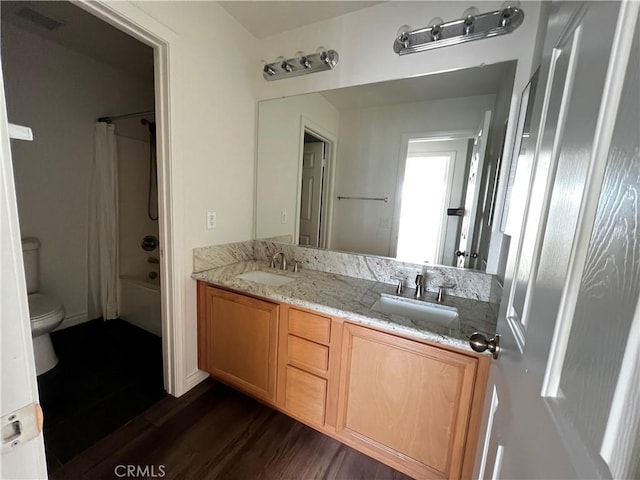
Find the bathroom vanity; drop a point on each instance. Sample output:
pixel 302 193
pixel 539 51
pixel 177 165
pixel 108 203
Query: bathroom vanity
pixel 406 392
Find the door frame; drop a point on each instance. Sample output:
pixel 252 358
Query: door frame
pixel 317 169
pixel 326 211
pixel 139 25
pixel 441 240
pixel 402 163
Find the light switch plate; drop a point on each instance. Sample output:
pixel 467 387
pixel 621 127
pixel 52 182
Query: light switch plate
pixel 211 220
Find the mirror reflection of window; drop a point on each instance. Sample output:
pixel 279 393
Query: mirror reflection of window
pixel 426 193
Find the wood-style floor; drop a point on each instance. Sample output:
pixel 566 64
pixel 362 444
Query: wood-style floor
pixel 216 432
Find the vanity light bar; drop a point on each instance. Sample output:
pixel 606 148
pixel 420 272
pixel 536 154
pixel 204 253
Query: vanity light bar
pixel 294 67
pixel 472 27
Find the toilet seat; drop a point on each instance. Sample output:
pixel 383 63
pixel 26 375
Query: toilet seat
pixel 44 313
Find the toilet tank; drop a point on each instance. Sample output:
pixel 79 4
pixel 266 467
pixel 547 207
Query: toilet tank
pixel 30 248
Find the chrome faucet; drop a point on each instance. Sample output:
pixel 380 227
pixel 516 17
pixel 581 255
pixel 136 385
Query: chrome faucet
pixel 400 285
pixel 419 286
pixel 283 264
pixel 441 289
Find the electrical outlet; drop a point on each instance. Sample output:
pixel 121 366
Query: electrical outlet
pixel 283 216
pixel 211 220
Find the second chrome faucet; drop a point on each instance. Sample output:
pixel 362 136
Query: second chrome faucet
pixel 419 293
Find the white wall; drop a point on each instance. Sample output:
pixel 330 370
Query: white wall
pixel 369 149
pixel 364 41
pixel 278 166
pixel 60 94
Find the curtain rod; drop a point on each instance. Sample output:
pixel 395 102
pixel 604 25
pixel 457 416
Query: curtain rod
pixel 126 115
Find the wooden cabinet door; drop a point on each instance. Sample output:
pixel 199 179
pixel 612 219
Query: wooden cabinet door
pixel 238 340
pixel 405 402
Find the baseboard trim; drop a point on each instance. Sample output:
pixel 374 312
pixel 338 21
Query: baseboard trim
pixel 193 379
pixel 73 320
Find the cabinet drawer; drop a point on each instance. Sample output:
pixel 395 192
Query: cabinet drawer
pixel 309 326
pixel 307 354
pixel 305 395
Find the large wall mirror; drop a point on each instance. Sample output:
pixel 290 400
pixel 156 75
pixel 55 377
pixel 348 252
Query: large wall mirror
pixel 406 168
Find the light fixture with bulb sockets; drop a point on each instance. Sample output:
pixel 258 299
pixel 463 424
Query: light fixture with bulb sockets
pixel 301 64
pixel 472 26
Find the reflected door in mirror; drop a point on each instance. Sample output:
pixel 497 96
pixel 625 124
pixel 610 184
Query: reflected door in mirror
pixel 311 194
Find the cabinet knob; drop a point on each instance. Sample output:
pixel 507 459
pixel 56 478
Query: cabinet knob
pixel 479 343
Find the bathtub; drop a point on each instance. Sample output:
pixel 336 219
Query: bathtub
pixel 140 304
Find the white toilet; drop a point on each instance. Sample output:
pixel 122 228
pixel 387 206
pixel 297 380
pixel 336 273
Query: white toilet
pixel 46 313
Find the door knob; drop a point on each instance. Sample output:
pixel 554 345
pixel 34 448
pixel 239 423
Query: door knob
pixel 460 253
pixel 479 343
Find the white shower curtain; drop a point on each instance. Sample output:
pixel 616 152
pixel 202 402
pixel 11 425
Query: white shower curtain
pixel 104 293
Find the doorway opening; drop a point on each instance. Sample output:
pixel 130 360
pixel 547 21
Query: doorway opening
pixel 440 211
pixel 315 179
pixel 422 232
pixel 107 363
pixel 431 187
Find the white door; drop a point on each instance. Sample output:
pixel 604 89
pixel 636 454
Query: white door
pixel 563 396
pixel 22 443
pixel 467 259
pixel 311 193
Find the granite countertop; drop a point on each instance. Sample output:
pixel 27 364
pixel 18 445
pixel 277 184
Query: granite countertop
pixel 351 299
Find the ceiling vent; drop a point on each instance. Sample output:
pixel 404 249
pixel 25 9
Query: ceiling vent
pixel 40 18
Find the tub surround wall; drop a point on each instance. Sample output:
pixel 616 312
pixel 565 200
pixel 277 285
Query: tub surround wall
pixel 133 184
pixel 470 284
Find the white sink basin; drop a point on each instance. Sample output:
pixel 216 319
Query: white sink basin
pixel 266 278
pixel 417 310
